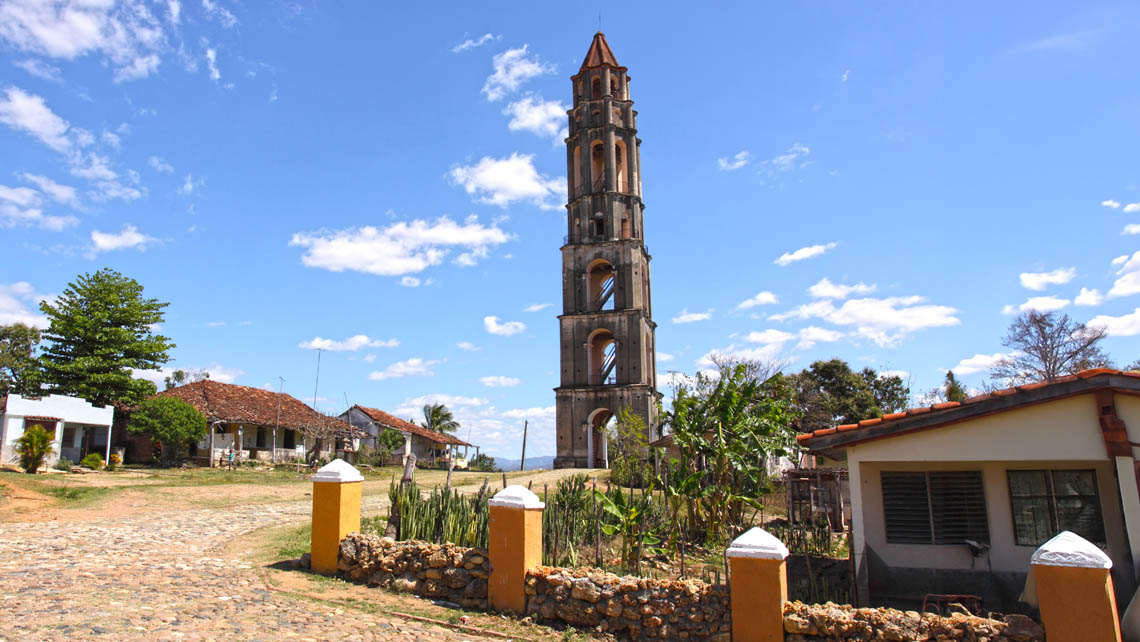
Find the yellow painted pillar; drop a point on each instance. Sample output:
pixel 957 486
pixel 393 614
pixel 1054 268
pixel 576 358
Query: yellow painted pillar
pixel 515 546
pixel 759 586
pixel 336 512
pixel 1074 590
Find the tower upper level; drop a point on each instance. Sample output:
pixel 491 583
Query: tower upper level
pixel 600 75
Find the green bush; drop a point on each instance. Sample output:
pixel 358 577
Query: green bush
pixel 170 421
pixel 94 461
pixel 64 464
pixel 33 447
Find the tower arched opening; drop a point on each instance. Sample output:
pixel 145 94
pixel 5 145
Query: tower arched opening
pixel 597 438
pixel 602 357
pixel 600 285
pixel 598 165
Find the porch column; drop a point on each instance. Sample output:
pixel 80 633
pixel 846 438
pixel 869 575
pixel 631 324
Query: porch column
pixel 108 457
pixel 1074 590
pixel 336 512
pixel 1130 502
pixel 515 546
pixel 589 446
pixel 759 586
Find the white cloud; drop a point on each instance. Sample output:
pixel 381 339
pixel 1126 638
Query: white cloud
pixel 215 324
pixel 1038 303
pixel 1126 325
pixel 40 69
pixel 399 249
pixel 1038 281
pixel 885 321
pixel 511 69
pixel 494 326
pixel 1128 279
pixel 537 307
pixel 15 216
pixel 763 298
pixel 350 344
pixel 1110 203
pixel 1132 207
pixel 468 346
pixel 369 358
pixel 498 381
pixel 546 118
pixel 160 165
pixel 191 185
pixel 846 74
pixel 807 337
pixel 64 194
pixel 212 64
pixel 803 253
pixel 1130 229
pixel 414 367
pixel 738 160
pixel 690 317
pixel 825 289
pixel 472 43
pixel 979 363
pixel 769 337
pixel 502 181
pixel 544 412
pixel 764 353
pixel 111 139
pixel 125 33
pixel 789 160
pixel 221 373
pixel 174 12
pixel 14 301
pixel 1120 259
pixel 664 356
pixel 447 400
pixel 127 238
pixel 410 282
pixel 28 113
pixel 1089 297
pixel 218 13
pixel 812 335
pixel 21 196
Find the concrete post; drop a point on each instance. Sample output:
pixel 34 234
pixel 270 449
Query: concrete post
pixel 1074 590
pixel 515 546
pixel 336 512
pixel 759 586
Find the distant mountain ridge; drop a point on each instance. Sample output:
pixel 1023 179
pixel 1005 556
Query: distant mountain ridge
pixel 532 463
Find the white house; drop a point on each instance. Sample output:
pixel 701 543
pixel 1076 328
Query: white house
pixel 79 427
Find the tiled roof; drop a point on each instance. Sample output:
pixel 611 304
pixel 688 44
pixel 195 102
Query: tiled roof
pixel 42 418
pixel 392 421
pixel 600 54
pixel 232 403
pixel 951 411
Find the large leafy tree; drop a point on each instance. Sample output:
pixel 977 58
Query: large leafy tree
pixel 100 329
pixel 170 421
pixel 438 418
pixel 830 392
pixel 19 371
pixel 1047 345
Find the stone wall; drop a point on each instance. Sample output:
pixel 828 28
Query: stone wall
pixel 834 623
pixel 629 606
pixel 438 571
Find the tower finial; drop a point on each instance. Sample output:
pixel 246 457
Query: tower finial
pixel 599 54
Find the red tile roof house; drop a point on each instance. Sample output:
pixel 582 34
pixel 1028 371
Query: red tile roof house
pixel 430 447
pixel 263 425
pixel 1007 470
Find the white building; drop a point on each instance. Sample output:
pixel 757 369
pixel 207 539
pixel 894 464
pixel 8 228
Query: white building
pixel 79 428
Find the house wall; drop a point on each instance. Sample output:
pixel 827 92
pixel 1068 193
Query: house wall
pixel 70 409
pixel 1055 435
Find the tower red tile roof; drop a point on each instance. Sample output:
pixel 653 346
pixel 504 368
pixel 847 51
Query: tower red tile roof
pixel 600 54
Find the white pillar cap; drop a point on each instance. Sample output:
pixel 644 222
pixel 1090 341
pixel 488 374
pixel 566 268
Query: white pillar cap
pixel 515 496
pixel 1070 549
pixel 758 543
pixel 339 471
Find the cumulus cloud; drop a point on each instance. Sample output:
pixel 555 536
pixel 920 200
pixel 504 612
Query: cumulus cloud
pixel 825 289
pixel 1126 325
pixel 806 337
pixel 502 181
pixel 30 114
pixel 1132 207
pixel 1128 277
pixel 803 253
pixel 689 317
pixel 511 69
pixel 1110 203
pixel 468 346
pixel 125 34
pixel 664 356
pixel 1089 297
pixel 414 367
pixel 40 69
pixel 216 12
pixel 64 194
pixel 399 249
pixel 546 412
pixel 1039 304
pixel 160 165
pixel 790 159
pixel 537 307
pixel 17 302
pixel 885 321
pixel 472 43
pixel 769 337
pixel 546 118
pixel 509 328
pixel 447 400
pixel 498 381
pixel 762 298
pixel 1038 281
pixel 1131 229
pixel 812 335
pixel 351 344
pixel 129 238
pixel 738 160
pixel 980 363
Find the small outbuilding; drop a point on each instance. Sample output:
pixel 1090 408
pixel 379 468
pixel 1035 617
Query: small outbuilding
pixel 954 498
pixel 430 447
pixel 79 427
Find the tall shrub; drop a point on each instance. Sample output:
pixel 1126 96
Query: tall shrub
pixel 33 447
pixel 170 421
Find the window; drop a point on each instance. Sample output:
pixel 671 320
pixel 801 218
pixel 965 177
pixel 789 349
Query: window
pixel 1046 502
pixel 935 507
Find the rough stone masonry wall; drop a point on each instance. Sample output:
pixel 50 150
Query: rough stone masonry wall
pixel 439 571
pixel 832 623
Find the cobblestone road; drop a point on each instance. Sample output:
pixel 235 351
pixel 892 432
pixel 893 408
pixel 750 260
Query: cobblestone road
pixel 163 577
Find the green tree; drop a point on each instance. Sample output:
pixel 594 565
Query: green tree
pixel 184 377
pixel 830 393
pixel 953 389
pixel 19 370
pixel 388 442
pixel 438 418
pixel 170 421
pixel 628 450
pixel 33 447
pixel 101 329
pixel 1047 345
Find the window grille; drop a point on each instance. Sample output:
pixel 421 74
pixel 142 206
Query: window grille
pixel 1046 502
pixel 944 507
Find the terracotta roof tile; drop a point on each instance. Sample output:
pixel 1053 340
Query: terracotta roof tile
pixel 945 405
pixel 1097 371
pixel 600 54
pixel 894 415
pixel 922 410
pixel 870 422
pixel 393 421
pixel 1033 386
pixel 231 403
pixel 846 427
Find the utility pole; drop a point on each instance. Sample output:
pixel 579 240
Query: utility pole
pixel 522 462
pixel 277 426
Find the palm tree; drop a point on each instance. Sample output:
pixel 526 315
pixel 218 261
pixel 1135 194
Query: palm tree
pixel 438 418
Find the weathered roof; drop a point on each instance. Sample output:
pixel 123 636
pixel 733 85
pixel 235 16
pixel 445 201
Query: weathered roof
pixel 232 403
pixel 394 422
pixel 599 54
pixel 942 414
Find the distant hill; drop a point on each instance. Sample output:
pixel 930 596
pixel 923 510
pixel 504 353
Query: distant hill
pixel 532 463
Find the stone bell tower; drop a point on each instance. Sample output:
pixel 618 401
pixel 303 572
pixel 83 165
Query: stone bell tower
pixel 607 347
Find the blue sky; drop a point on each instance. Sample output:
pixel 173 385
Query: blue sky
pixel 887 185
